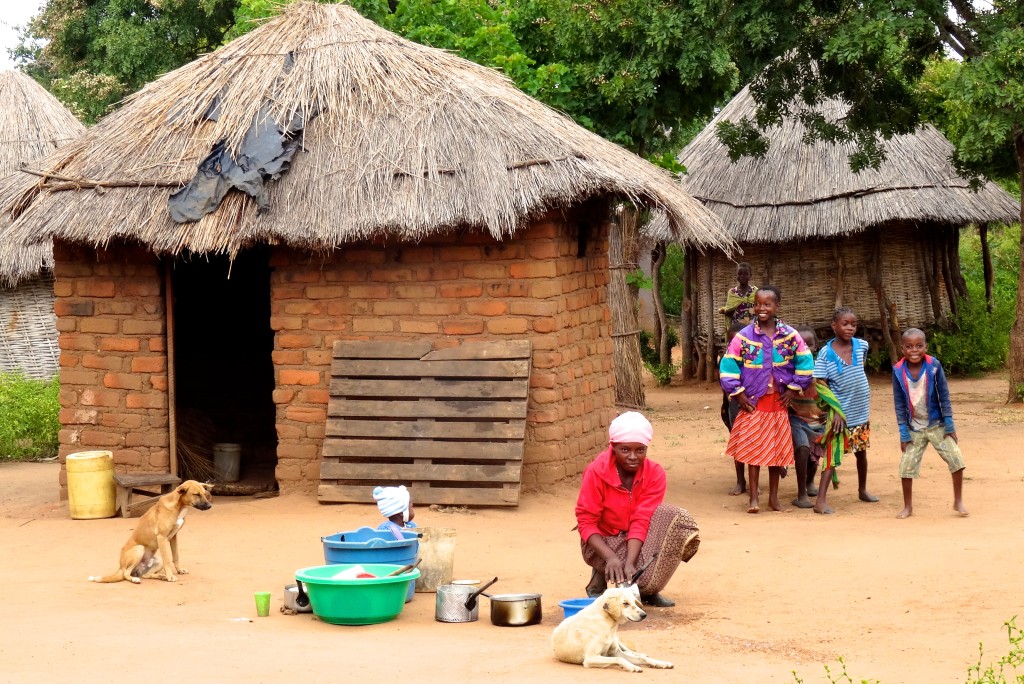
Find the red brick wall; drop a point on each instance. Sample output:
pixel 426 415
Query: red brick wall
pixel 453 289
pixel 465 286
pixel 113 360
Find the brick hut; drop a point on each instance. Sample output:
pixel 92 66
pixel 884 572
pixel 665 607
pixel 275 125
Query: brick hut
pixel 362 259
pixel 32 125
pixel 883 241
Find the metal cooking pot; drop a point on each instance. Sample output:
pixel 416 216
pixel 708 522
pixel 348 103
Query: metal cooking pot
pixel 515 610
pixel 291 599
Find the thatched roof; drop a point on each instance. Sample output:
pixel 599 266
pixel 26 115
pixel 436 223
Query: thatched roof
pixel 398 141
pixel 32 125
pixel 802 191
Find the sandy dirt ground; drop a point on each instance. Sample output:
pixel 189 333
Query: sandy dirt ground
pixel 767 595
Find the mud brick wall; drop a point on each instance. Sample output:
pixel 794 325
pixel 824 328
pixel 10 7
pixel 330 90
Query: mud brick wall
pixel 465 286
pixel 453 289
pixel 113 356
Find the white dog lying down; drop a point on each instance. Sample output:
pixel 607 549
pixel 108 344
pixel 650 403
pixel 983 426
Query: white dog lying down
pixel 590 637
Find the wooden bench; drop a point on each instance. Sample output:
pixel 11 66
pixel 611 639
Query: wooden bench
pixel 128 484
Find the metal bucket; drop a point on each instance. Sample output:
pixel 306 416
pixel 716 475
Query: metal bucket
pixel 450 605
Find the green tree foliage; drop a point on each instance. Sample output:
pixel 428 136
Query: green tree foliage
pixel 92 53
pixel 641 71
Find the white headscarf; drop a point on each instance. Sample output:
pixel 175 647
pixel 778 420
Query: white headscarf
pixel 391 500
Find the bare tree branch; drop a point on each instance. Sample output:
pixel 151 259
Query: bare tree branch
pixel 952 42
pixel 962 35
pixel 965 9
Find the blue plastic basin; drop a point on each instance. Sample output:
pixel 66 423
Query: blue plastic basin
pixel 572 606
pixel 367 545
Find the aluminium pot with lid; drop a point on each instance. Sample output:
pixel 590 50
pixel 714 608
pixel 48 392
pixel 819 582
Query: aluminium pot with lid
pixel 515 610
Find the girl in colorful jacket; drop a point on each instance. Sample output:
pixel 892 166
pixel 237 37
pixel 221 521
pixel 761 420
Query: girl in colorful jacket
pixel 766 365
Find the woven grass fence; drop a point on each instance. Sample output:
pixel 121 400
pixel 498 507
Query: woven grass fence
pixel 623 249
pixel 28 329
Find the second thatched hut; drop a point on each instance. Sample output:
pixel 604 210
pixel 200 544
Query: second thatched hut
pixel 32 125
pixel 884 242
pixel 261 248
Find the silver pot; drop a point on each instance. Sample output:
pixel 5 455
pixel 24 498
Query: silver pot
pixel 292 601
pixel 515 610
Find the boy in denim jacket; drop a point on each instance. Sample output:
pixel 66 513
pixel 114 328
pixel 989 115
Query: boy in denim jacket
pixel 925 417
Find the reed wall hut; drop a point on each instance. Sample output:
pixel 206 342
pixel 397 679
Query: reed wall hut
pixel 254 239
pixel 32 124
pixel 884 242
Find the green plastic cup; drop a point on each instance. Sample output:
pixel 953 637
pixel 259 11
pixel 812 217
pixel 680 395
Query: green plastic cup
pixel 262 603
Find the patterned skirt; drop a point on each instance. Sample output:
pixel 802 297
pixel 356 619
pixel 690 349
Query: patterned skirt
pixel 762 437
pixel 672 534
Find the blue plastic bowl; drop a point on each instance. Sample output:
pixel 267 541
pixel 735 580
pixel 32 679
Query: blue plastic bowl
pixel 367 545
pixel 572 606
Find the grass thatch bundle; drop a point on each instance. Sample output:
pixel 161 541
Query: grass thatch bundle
pixel 801 191
pixel 399 141
pixel 32 125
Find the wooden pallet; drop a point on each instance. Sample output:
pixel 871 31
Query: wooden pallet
pixel 448 424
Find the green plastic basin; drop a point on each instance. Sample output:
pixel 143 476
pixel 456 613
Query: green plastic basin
pixel 356 601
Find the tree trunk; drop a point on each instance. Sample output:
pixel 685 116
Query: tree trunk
pixel 657 259
pixel 629 387
pixel 1016 360
pixel 986 266
pixel 686 317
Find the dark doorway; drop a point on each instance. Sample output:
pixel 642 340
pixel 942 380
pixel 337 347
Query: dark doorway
pixel 223 369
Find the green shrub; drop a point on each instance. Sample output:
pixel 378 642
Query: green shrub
pixel 662 372
pixel 672 280
pixel 29 418
pixel 995 673
pixel 979 341
pixel 1003 671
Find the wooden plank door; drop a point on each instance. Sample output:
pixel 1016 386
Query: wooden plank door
pixel 448 424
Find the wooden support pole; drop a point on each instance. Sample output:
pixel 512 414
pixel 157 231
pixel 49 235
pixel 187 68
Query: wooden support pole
pixel 886 310
pixel 942 251
pixel 169 327
pixel 931 282
pixel 686 316
pixel 710 372
pixel 837 256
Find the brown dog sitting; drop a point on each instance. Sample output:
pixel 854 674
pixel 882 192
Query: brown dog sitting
pixel 155 538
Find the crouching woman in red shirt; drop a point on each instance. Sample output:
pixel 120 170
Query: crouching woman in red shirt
pixel 622 519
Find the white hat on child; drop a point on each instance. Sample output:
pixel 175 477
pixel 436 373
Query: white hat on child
pixel 391 500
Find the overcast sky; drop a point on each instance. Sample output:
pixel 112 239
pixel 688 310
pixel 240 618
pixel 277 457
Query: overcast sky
pixel 13 13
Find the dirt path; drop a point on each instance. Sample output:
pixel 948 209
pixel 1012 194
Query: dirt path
pixel 900 601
